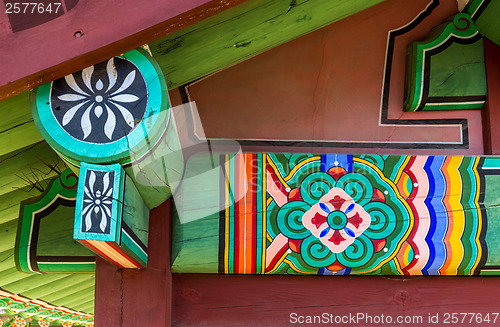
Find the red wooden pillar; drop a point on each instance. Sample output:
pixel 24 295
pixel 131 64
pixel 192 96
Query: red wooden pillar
pixel 131 298
pixel 491 111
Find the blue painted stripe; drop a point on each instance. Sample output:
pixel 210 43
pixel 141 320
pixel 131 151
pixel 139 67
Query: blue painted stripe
pixel 439 216
pixel 336 160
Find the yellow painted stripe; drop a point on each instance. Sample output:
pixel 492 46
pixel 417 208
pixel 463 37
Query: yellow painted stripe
pixel 279 262
pixel 456 216
pixel 479 218
pixel 264 211
pixel 226 242
pixel 112 254
pixel 401 168
pixel 408 209
pixel 299 165
pixel 276 171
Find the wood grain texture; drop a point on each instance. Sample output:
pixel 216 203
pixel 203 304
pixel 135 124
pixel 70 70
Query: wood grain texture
pixel 138 297
pixel 210 300
pixel 105 29
pixel 27 163
pixel 17 129
pixel 243 32
pixel 491 112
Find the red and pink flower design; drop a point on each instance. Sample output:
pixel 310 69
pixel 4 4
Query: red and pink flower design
pixel 336 220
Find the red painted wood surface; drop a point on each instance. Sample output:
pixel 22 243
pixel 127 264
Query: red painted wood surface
pixel 491 112
pixel 132 298
pixel 327 85
pixel 91 32
pixel 212 300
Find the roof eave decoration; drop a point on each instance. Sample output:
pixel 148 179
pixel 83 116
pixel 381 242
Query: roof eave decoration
pixel 41 311
pixel 446 71
pixel 112 124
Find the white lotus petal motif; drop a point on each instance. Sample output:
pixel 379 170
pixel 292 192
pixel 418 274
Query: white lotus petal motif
pixel 108 193
pixel 129 118
pixel 92 180
pixel 108 212
pixel 98 111
pixel 88 221
pixel 85 123
pixel 71 113
pixel 125 98
pixel 105 181
pixel 110 125
pixel 99 85
pixel 126 83
pixel 103 223
pixel 87 75
pixel 70 79
pixel 71 97
pixel 112 73
pixel 107 202
pixel 96 209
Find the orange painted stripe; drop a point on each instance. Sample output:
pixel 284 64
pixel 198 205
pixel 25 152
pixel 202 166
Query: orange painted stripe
pixel 449 211
pixel 109 252
pixel 250 224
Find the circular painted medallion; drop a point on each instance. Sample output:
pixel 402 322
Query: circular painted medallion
pixel 114 111
pixel 102 103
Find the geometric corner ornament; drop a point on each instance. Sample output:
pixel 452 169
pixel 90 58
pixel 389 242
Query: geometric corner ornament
pixel 44 242
pixel 333 214
pixel 44 314
pixel 117 111
pixel 113 122
pixel 109 112
pixel 447 70
pixel 110 217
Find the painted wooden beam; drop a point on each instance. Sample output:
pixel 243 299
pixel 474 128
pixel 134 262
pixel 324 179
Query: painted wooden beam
pixel 17 129
pixel 9 203
pixel 242 32
pixel 337 214
pixel 27 164
pixel 91 32
pixel 491 112
pixel 66 284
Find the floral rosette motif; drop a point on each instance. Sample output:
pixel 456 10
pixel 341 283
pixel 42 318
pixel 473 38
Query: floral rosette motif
pixel 102 103
pixel 354 221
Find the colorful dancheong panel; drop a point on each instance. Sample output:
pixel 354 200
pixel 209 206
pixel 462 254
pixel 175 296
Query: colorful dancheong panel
pixel 348 214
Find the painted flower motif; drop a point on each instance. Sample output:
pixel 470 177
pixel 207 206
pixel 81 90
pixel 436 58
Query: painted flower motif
pixel 98 100
pixel 336 220
pixel 66 324
pixel 19 322
pixel 97 202
pixel 44 322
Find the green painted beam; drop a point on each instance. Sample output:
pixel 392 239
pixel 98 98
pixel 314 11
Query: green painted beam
pixel 27 163
pixel 17 129
pixel 8 236
pixel 87 307
pixel 243 32
pixel 7 260
pixel 68 282
pixel 9 203
pixel 82 296
pixel 487 19
pixel 25 284
pixel 57 297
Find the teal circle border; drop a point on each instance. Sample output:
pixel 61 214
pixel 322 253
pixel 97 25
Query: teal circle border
pixel 124 150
